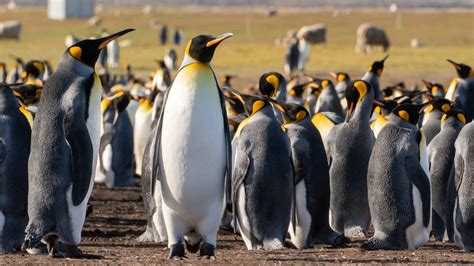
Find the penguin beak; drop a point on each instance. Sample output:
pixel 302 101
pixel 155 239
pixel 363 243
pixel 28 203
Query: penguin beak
pixel 219 39
pixel 106 40
pixel 385 58
pixel 276 104
pixel 456 65
pixel 350 111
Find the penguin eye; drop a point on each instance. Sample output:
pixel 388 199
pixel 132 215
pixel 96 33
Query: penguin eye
pixel 76 52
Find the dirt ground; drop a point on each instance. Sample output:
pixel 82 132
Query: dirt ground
pixel 119 218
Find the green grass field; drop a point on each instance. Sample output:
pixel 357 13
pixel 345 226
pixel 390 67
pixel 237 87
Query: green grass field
pixel 252 50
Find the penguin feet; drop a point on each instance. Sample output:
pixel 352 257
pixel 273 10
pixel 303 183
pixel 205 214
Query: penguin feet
pixel 72 252
pixel 207 251
pixel 374 244
pixel 51 241
pixel 177 252
pixel 340 241
pixel 356 231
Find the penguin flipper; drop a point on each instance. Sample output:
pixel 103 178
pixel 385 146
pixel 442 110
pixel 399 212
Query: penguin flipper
pixel 3 150
pixel 81 152
pixel 419 179
pixel 242 164
pixel 228 142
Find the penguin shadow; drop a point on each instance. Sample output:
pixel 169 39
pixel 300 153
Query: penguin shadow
pixel 97 234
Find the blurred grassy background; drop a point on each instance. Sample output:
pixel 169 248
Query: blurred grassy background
pixel 252 50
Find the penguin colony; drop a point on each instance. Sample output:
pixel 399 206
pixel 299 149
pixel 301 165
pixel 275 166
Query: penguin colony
pixel 304 161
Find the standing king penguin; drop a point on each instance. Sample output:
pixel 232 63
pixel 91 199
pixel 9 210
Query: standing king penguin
pixel 15 135
pixel 349 145
pixel 441 159
pixel 64 149
pixel 398 184
pixel 311 179
pixel 193 156
pixel 463 178
pixel 262 180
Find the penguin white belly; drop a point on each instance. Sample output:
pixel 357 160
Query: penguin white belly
pixel 417 234
pixel 107 157
pixel 243 221
pixel 77 214
pixel 193 150
pixel 141 133
pixel 303 218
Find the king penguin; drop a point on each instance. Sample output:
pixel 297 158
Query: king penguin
pixel 372 76
pixel 349 145
pixel 64 149
pixel 462 91
pixel 311 180
pixel 15 135
pixel 193 154
pixel 116 143
pixel 262 180
pixel 273 85
pixel 328 101
pixel 431 124
pixel 398 184
pixel 343 80
pixel 441 159
pixel 463 178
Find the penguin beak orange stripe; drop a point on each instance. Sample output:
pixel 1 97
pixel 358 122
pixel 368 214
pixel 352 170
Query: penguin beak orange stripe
pixel 219 39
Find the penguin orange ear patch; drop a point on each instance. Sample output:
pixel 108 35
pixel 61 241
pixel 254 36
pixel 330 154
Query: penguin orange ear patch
pixel 361 88
pixel 445 107
pixel 76 52
pixel 325 83
pixel 300 115
pixel 462 118
pixel 257 105
pixel 404 115
pixel 341 77
pixel 272 79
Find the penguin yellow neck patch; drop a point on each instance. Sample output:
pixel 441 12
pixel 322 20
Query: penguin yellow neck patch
pixel 76 52
pixel 257 106
pixel 341 77
pixel 324 84
pixel 272 79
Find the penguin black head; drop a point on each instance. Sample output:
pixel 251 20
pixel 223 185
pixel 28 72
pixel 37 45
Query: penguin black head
pixel 433 88
pixel 314 88
pixel 390 90
pixel 298 90
pixel 356 91
pixel 33 69
pixel 161 64
pixel 463 70
pixel 443 105
pixel 384 107
pixel 254 103
pixel 87 51
pixel 326 83
pixel 235 104
pixel 28 93
pixel 457 114
pixel 269 83
pixel 294 113
pixel 377 66
pixel 340 76
pixel 410 112
pixel 202 47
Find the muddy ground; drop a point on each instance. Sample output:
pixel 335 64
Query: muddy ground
pixel 119 218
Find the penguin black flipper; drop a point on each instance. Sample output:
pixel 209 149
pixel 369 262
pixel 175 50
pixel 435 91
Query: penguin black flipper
pixel 419 179
pixel 3 150
pixel 228 175
pixel 81 152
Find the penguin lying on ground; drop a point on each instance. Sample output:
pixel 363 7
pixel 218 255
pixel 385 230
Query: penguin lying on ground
pixel 398 184
pixel 64 149
pixel 14 151
pixel 262 180
pixel 441 159
pixel 349 145
pixel 311 179
pixel 116 143
pixel 463 179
